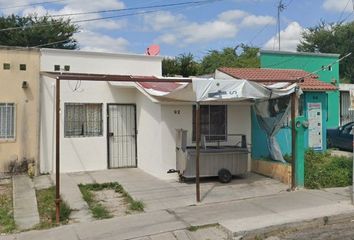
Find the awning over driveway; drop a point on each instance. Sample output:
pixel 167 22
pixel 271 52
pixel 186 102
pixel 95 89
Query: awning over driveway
pixel 211 90
pixel 189 89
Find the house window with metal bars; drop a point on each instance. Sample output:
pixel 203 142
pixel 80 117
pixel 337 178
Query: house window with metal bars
pixel 213 123
pixel 83 120
pixel 7 121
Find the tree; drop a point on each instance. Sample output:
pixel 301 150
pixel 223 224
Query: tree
pixel 332 38
pixel 170 67
pixel 228 57
pixel 30 31
pixel 184 65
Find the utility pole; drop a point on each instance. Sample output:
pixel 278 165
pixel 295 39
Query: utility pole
pixel 281 7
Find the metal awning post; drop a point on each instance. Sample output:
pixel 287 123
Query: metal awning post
pixel 293 140
pixel 57 150
pixel 197 142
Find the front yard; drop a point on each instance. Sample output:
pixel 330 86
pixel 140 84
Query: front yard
pixel 325 171
pixel 108 200
pixel 46 208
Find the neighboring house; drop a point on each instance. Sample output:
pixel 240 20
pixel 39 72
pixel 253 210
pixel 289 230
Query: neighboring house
pixel 112 125
pixel 312 104
pixel 19 106
pixel 325 65
pixel 346 111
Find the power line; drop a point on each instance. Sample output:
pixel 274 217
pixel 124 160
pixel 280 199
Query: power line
pixel 326 67
pixel 51 43
pixel 32 4
pixel 342 13
pixel 258 33
pixel 109 17
pixel 130 9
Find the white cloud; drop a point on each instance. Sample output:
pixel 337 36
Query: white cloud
pixel 337 5
pixel 91 41
pixel 289 38
pixel 208 31
pixel 253 20
pixel 162 20
pixel 176 29
pixel 168 39
pixel 77 6
pixel 232 15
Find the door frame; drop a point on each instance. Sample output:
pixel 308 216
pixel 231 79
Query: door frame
pixel 136 134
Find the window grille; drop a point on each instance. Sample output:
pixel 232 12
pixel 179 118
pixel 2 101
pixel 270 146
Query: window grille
pixel 7 120
pixel 83 120
pixel 212 122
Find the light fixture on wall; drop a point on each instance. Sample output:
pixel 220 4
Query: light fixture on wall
pixel 25 84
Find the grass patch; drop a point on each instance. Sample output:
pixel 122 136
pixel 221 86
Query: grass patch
pixel 7 222
pixel 46 208
pixel 324 171
pixel 97 209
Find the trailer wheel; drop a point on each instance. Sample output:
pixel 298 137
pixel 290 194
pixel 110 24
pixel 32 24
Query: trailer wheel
pixel 224 175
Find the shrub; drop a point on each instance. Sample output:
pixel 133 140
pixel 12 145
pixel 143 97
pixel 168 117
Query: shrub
pixel 323 170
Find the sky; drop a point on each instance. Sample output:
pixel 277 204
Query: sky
pixel 195 28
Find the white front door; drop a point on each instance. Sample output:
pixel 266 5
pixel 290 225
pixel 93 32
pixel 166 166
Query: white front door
pixel 121 136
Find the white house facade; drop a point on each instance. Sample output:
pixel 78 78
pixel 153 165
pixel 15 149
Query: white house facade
pixel 106 125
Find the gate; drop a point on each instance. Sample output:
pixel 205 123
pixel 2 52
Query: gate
pixel 121 135
pixel 346 115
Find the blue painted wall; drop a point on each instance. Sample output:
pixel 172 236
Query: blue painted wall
pixel 309 62
pixel 259 142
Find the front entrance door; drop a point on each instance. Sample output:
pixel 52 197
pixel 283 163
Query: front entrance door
pixel 121 136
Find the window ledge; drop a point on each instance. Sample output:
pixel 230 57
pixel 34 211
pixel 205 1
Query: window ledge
pixel 2 140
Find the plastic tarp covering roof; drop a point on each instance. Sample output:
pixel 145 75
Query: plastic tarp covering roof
pixel 210 90
pixel 238 90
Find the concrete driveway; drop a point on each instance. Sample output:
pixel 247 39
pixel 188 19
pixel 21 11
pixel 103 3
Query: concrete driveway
pixel 159 194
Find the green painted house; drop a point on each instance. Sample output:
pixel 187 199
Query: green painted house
pixel 310 62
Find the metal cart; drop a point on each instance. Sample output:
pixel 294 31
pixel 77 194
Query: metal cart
pixel 217 157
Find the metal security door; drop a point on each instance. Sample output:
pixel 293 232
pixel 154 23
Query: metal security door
pixel 121 136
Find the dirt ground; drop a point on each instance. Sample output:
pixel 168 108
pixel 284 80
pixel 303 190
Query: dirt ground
pixel 113 201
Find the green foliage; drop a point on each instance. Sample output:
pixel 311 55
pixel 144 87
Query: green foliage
pixel 97 209
pixel 100 212
pixel 186 66
pixel 228 57
pixel 332 38
pixel 7 223
pixel 46 208
pixel 136 206
pixel 323 170
pixel 38 31
pixel 170 67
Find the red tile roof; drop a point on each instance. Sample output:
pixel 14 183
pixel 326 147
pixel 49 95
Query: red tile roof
pixel 267 75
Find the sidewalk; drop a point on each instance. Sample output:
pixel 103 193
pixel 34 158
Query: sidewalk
pixel 24 202
pixel 235 217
